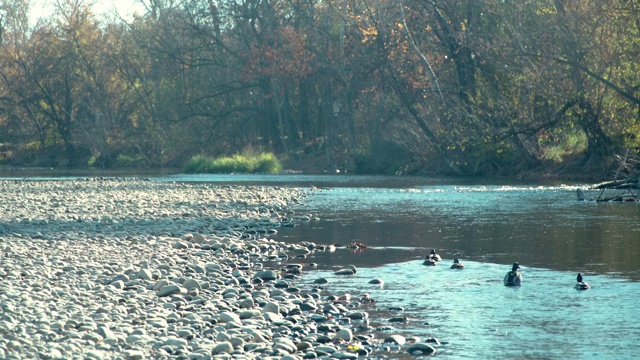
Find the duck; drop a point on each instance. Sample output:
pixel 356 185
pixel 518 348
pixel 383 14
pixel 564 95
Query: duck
pixel 433 256
pixel 356 245
pixel 366 298
pixel 430 262
pixel 581 285
pixel 457 265
pixel 513 277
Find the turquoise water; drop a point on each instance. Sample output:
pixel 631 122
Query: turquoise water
pixel 475 316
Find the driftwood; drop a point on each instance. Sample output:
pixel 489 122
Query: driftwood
pixel 630 185
pixel 632 182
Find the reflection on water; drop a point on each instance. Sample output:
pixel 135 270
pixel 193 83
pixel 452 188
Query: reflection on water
pixel 477 317
pixel 546 229
pixel 538 226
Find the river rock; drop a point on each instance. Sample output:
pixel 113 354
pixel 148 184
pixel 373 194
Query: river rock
pixel 223 347
pixel 290 357
pixel 344 355
pixel 248 314
pixel 169 290
pixel 267 275
pixel 145 274
pixel 271 307
pixel 421 349
pixel 227 316
pixel 345 334
pixel 130 354
pixel 272 317
pixel 285 344
pixel 349 270
pixel 304 345
pixel 395 339
pixel 357 315
pixel 327 349
pixel 191 284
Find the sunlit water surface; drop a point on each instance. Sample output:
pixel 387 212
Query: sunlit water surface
pixel 475 316
pixel 488 225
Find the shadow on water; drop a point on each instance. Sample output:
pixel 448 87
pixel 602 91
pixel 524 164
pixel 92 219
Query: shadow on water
pixel 538 226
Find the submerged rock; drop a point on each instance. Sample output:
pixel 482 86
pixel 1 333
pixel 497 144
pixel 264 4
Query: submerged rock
pixel 421 349
pixel 349 270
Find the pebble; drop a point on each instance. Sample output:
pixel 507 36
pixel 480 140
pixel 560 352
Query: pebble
pixel 127 268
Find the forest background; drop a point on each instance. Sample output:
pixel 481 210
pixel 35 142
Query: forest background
pixel 514 88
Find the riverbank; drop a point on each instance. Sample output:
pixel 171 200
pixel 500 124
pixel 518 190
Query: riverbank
pixel 137 269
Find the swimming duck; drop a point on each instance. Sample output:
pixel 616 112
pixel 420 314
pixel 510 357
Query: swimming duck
pixel 433 256
pixel 513 277
pixel 457 265
pixel 581 285
pixel 366 298
pixel 430 262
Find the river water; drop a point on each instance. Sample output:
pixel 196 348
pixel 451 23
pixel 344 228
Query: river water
pixel 488 225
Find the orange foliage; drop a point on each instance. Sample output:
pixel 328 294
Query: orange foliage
pixel 283 54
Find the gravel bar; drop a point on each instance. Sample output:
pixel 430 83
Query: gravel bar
pixel 129 268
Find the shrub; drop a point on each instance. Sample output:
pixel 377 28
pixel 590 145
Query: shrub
pixel 565 144
pixel 124 160
pixel 198 164
pixel 249 163
pixel 268 163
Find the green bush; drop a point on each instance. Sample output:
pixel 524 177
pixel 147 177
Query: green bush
pixel 130 160
pixel 112 160
pixel 249 163
pixel 268 163
pixel 197 165
pixel 565 144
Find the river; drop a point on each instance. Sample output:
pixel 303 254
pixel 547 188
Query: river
pixel 488 225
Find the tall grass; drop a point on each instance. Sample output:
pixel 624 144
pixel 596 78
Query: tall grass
pixel 239 163
pixel 569 143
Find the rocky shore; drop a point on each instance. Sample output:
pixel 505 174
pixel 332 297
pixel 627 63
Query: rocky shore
pixel 138 269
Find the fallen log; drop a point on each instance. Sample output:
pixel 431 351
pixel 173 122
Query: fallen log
pixel 632 182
